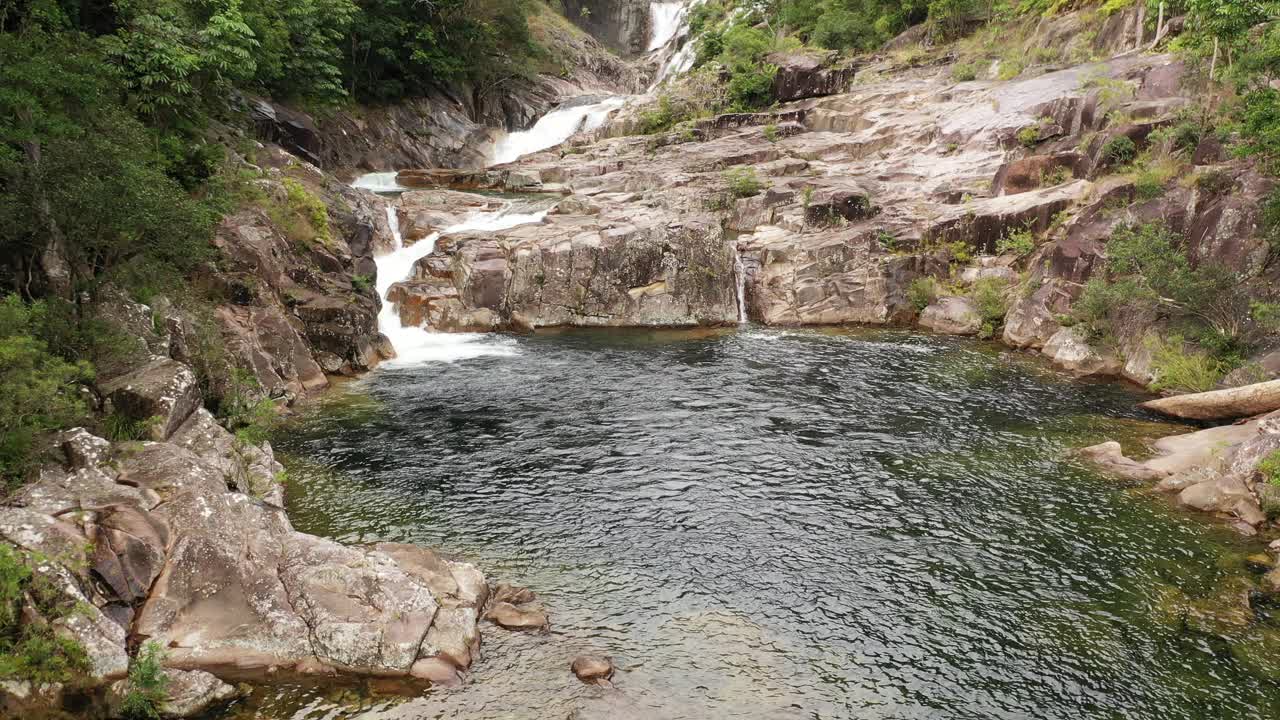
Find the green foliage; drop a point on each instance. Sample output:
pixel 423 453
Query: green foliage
pixel 119 427
pixel 1271 221
pixel 771 133
pixel 660 118
pixel 1010 68
pixel 1119 150
pixel 964 72
pixel 742 182
pixel 148 685
pixel 887 240
pixel 405 47
pixel 244 410
pixel 29 648
pixel 1020 242
pixel 1269 468
pixel 991 297
pixel 1260 127
pixel 361 283
pixel 852 24
pixel 1154 173
pixel 1149 274
pixel 302 216
pixel 922 292
pixel 1029 136
pixel 39 391
pixel 1177 369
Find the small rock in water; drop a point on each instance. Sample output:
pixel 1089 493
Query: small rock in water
pixel 511 617
pixel 1275 545
pixel 592 668
pixel 513 594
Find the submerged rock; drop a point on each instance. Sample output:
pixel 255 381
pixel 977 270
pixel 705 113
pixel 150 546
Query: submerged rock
pixel 512 617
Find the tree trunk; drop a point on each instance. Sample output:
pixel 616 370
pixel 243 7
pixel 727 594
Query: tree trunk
pixel 53 257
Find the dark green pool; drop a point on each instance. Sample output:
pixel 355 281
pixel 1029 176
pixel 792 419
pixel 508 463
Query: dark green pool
pixel 798 524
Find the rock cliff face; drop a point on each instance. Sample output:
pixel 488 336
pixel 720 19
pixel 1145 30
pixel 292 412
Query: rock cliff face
pixel 623 25
pixel 297 308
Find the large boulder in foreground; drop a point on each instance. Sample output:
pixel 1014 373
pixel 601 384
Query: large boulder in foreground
pixel 1244 401
pixel 164 542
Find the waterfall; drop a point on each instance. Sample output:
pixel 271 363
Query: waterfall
pixel 414 344
pixel 740 278
pixel 552 129
pixel 670 41
pixel 665 18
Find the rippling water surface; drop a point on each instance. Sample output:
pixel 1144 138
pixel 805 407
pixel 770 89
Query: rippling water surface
pixel 770 524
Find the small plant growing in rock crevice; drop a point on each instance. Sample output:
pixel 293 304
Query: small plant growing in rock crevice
pixel 148 685
pixel 742 182
pixel 1269 468
pixel 772 133
pixel 990 297
pixel 922 292
pixel 1018 242
pixel 1119 150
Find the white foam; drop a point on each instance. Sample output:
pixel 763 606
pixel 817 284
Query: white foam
pixel 552 129
pixel 379 182
pixel 415 345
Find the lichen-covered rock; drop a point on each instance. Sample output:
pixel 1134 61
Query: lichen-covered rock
pixel 188 693
pixel 952 315
pixel 807 73
pixel 162 393
pixel 1069 351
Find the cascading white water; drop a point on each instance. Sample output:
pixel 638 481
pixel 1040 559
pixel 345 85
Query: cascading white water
pixel 670 40
pixel 379 182
pixel 665 19
pixel 414 344
pixel 740 278
pixel 552 129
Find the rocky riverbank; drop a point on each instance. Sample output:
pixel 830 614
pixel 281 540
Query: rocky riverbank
pixel 896 195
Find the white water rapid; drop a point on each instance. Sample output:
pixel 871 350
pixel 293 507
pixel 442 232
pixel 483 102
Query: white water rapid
pixel 553 128
pixel 414 344
pixel 379 182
